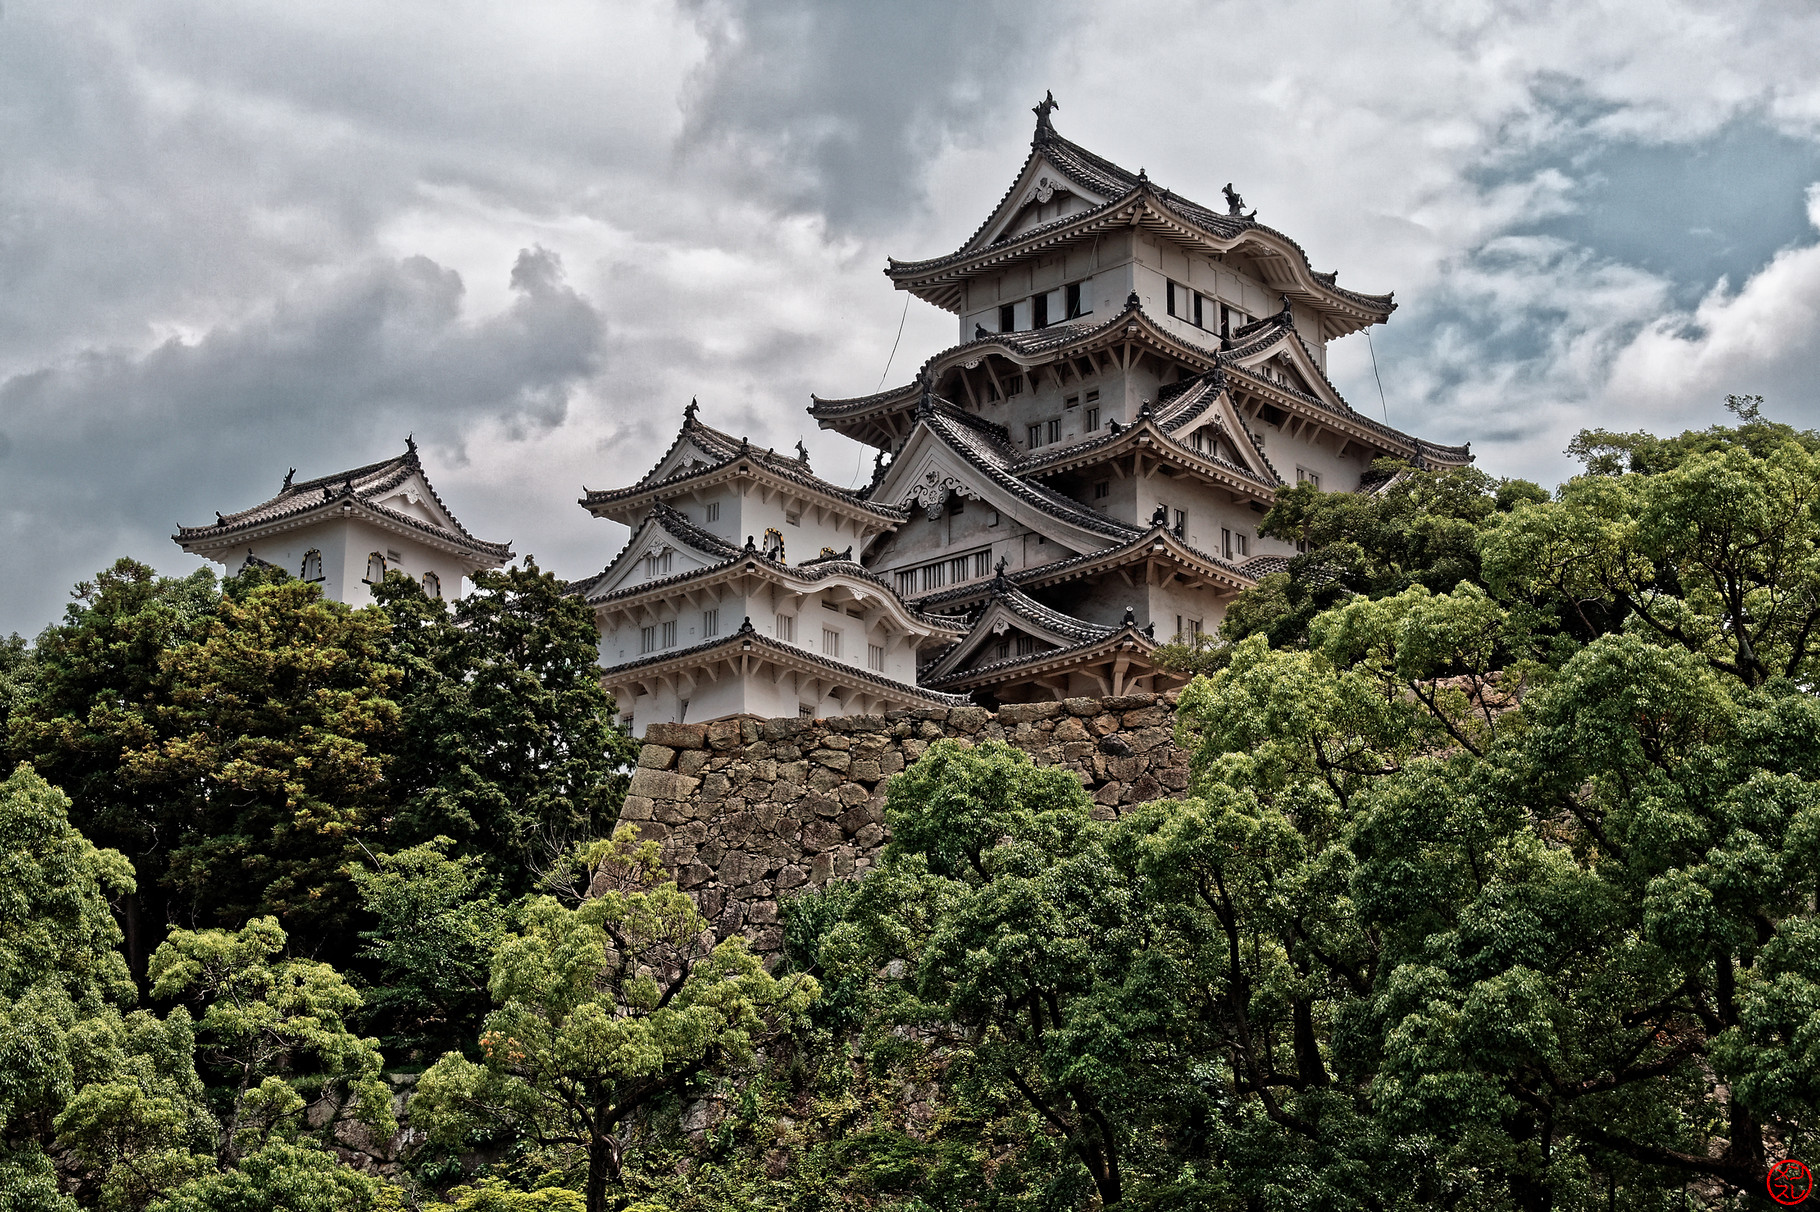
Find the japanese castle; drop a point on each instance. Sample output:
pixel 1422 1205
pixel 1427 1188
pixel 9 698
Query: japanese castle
pixel 1074 483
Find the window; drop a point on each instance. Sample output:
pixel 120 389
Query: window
pixel 1014 385
pixel 1181 525
pixel 1093 397
pixel 312 565
pixel 375 568
pixel 786 628
pixel 1072 296
pixel 1225 542
pixel 992 518
pixel 1304 476
pixel 1039 311
pixel 1093 420
pixel 934 576
pixel 625 722
pixel 1194 628
pixel 1025 645
pixel 1102 490
pixel 670 633
pixel 805 711
pixel 1004 649
pixel 432 586
pixel 1071 402
pixel 830 642
pixel 647 639
pixel 1243 544
pixel 793 519
pixel 710 622
pixel 713 512
pixel 952 570
pixel 657 563
pixel 1052 431
pixel 1036 437
pixel 906 583
pixel 1200 440
pixel 392 559
pixel 875 657
pixel 1185 304
pixel 1007 317
pixel 982 563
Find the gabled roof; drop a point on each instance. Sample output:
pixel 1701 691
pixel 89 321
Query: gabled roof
pixel 746 639
pixel 1117 197
pixel 719 450
pixel 365 490
pixel 1010 608
pixel 982 452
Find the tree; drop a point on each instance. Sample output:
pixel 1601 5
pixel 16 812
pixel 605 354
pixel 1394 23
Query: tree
pixel 604 1009
pixel 509 746
pixel 270 1026
pixel 293 1177
pixel 437 923
pixel 59 966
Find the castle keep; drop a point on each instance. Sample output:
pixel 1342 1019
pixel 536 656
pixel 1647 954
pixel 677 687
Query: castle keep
pixel 1076 481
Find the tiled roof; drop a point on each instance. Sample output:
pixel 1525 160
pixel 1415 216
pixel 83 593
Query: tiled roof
pixel 809 572
pixel 1259 567
pixel 1082 636
pixel 724 448
pixel 988 448
pixel 746 634
pixel 363 485
pixel 1100 176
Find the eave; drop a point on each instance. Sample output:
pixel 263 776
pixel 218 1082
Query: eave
pixel 208 540
pixel 626 505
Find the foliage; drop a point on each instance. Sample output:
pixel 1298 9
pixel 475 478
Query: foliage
pixel 292 1177
pixel 509 744
pixel 604 1009
pixel 270 1027
pixel 437 922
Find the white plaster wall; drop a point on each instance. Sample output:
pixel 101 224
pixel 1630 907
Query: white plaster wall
pixel 344 545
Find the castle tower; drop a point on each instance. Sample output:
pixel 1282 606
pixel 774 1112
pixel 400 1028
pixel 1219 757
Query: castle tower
pixel 742 592
pixel 346 531
pixel 1135 377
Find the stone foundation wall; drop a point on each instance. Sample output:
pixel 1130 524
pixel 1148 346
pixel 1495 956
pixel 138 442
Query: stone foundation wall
pixel 747 809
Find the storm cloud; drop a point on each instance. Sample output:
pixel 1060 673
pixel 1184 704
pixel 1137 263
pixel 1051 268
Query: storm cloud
pixel 239 237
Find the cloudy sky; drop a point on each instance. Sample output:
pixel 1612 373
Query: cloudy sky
pixel 238 236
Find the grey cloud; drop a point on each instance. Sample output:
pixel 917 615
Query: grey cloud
pixel 110 449
pixel 836 105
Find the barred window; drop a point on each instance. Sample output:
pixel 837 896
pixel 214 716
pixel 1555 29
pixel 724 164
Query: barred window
pixel 670 633
pixel 830 642
pixel 875 657
pixel 786 628
pixel 710 622
pixel 647 639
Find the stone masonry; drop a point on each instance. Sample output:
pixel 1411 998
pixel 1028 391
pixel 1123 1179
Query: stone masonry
pixel 748 809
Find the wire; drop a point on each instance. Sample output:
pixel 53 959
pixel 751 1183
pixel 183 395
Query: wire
pixel 892 357
pixel 1374 374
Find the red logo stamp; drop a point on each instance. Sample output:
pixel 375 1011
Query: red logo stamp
pixel 1789 1182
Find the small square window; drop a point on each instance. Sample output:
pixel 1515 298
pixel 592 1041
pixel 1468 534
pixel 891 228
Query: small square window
pixel 805 711
pixel 1102 490
pixel 1181 524
pixel 1072 294
pixel 1052 432
pixel 1304 476
pixel 1071 402
pixel 1039 311
pixel 1092 397
pixel 1035 437
pixel 794 519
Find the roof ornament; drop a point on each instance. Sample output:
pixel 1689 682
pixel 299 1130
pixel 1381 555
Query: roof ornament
pixel 1043 109
pixel 410 444
pixel 1287 315
pixel 221 521
pixel 1130 619
pixel 328 494
pixel 999 579
pixel 288 477
pixel 1161 516
pixel 1132 301
pixel 689 412
pixel 802 453
pixel 347 487
pixel 1114 426
pixel 980 333
pixel 1235 204
pixel 1150 629
pixel 925 402
pixel 1144 407
pixel 1142 175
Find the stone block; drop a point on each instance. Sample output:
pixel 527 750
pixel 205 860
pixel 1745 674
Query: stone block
pixel 723 735
pixel 791 877
pixel 870 838
pixel 1078 751
pixel 1175 778
pixel 834 740
pixel 793 772
pixel 823 780
pixel 1145 789
pixel 1148 717
pixel 1071 729
pixel 661 784
pixel 891 762
pixel 748 730
pixel 853 793
pixel 657 757
pixel 692 761
pixel 694 875
pixel 968 720
pixel 636 808
pixel 820 836
pixel 833 759
pixel 1082 706
pixel 1129 702
pixel 854 819
pixel 1104 725
pixel 714 785
pixel 757 751
pixel 1020 713
pixel 1115 746
pixel 670 812
pixel 929 731
pixel 761 913
pixel 740 867
pixel 778 730
pixel 677 736
pixel 821 870
pixel 866 771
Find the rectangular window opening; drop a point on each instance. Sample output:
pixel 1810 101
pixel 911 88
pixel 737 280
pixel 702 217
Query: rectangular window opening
pixel 1073 294
pixel 670 633
pixel 786 628
pixel 713 511
pixel 710 623
pixel 1102 490
pixel 1092 421
pixel 1007 318
pixel 647 639
pixel 830 642
pixel 1039 311
pixel 875 657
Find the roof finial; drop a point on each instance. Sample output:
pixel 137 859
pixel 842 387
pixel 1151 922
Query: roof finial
pixel 1142 175
pixel 1235 204
pixel 1044 108
pixel 802 453
pixel 689 412
pixel 288 477
pixel 1000 580
pixel 1130 619
pixel 925 401
pixel 1286 313
pixel 980 333
pixel 410 443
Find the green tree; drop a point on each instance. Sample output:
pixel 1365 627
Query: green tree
pixel 509 745
pixel 269 1027
pixel 437 923
pixel 283 1175
pixel 59 965
pixel 604 1009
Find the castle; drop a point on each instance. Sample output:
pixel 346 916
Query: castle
pixel 1073 483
